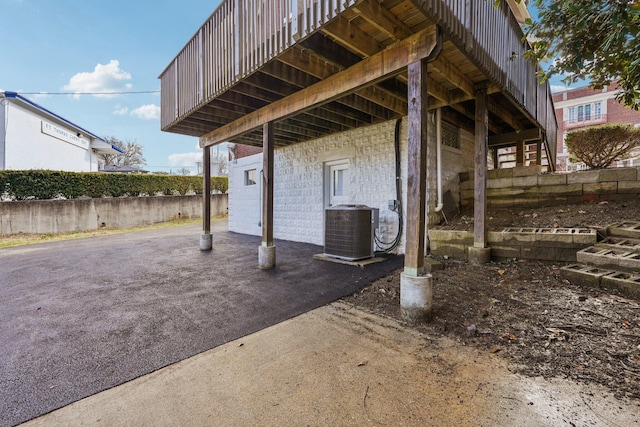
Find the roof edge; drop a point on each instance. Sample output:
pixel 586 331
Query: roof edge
pixel 17 96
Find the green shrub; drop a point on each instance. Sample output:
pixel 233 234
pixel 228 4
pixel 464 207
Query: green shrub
pixel 45 184
pixel 599 146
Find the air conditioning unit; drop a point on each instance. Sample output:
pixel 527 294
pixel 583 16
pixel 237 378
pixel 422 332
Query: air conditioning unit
pixel 349 232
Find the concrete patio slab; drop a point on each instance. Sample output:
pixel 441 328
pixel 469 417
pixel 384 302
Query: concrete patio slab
pixel 340 366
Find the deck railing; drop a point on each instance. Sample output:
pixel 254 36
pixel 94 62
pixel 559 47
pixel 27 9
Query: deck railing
pixel 493 39
pixel 237 39
pixel 242 35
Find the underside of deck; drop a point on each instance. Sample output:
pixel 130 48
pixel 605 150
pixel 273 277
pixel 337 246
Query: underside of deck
pixel 359 55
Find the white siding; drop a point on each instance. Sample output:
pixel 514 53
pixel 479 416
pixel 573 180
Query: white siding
pixel 27 147
pixel 244 201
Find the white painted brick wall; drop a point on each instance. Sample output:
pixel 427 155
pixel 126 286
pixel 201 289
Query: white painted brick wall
pixel 299 193
pixel 299 180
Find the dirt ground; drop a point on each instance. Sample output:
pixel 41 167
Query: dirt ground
pixel 523 310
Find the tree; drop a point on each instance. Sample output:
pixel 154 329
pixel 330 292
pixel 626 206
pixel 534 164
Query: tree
pixel 132 155
pixel 599 146
pixel 221 160
pixel 183 171
pixel 590 39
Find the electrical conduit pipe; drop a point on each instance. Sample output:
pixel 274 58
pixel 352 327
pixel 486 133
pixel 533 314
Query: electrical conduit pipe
pixel 440 204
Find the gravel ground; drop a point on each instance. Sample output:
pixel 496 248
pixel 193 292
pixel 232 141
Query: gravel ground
pixel 525 311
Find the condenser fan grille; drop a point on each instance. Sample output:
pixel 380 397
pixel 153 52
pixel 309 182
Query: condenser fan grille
pixel 349 232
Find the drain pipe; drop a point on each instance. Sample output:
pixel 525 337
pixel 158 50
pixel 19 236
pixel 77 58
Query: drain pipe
pixel 440 204
pixel 261 195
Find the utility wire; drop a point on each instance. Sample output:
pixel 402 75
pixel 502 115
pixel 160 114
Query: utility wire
pixel 90 93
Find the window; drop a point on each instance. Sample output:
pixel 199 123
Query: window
pixel 337 183
pixel 585 113
pixel 250 177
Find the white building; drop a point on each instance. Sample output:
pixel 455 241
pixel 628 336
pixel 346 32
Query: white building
pixel 32 137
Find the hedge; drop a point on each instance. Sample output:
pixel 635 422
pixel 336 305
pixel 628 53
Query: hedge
pixel 46 184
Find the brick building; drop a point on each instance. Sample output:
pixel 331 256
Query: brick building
pixel 584 107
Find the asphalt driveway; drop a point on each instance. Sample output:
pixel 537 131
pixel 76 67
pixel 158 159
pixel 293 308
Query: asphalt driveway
pixel 81 316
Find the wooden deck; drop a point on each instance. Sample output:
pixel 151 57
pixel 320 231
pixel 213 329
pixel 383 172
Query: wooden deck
pixel 315 67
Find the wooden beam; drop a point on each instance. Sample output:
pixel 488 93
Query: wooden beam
pixel 366 72
pixel 351 37
pixel 300 80
pixel 289 74
pixel 520 153
pixel 381 18
pixel 511 137
pixel 503 114
pixel 327 49
pixel 338 62
pixel 267 183
pixel 416 168
pixel 481 144
pixel 308 63
pixel 471 113
pixel 337 113
pixel 383 98
pixel 453 74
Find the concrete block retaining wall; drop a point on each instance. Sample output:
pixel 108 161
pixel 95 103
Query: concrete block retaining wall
pixel 626 283
pixel 63 216
pixel 527 187
pixel 550 244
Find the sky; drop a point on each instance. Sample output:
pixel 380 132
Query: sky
pixel 107 46
pixel 74 46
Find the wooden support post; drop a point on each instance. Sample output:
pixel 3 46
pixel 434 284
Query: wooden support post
pixel 416 287
pixel 206 241
pixel 519 153
pixel 267 251
pixel 479 253
pixel 267 184
pixel 416 168
pixel 539 152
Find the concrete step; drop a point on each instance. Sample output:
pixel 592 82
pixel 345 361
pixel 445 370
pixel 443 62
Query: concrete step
pixel 610 258
pixel 585 275
pixel 628 229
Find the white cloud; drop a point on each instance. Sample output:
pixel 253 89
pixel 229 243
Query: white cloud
pixel 120 111
pixel 102 81
pixel 558 88
pixel 147 112
pixel 185 159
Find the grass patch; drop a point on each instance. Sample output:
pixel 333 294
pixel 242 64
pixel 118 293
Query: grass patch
pixel 30 239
